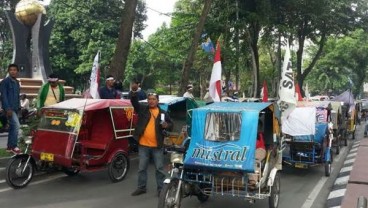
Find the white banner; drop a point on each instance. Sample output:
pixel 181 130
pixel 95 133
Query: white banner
pixel 95 78
pixel 287 99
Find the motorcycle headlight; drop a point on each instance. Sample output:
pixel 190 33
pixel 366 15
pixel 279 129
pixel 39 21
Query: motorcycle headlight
pixel 176 158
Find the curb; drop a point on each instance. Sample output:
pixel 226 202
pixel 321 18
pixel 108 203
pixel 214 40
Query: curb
pixel 338 190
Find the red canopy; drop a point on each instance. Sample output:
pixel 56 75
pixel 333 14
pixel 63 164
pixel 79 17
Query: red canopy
pixel 90 104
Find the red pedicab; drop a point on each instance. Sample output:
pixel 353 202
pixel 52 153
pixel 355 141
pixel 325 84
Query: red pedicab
pixel 77 135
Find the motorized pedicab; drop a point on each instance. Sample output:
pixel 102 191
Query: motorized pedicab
pixel 221 155
pixel 308 138
pixel 77 135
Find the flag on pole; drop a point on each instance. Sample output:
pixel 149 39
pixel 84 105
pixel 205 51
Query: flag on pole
pixel 298 92
pixel 264 92
pixel 215 81
pixel 95 78
pixel 287 101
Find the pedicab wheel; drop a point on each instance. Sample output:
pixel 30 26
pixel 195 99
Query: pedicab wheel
pixel 19 172
pixel 167 195
pixel 273 200
pixel 118 167
pixel 70 171
pixel 202 197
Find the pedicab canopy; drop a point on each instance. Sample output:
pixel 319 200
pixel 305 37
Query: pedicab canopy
pixel 89 104
pixel 66 116
pixel 224 136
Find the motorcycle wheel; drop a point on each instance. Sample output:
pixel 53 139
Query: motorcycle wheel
pixel 118 167
pixel 15 176
pixel 273 200
pixel 167 195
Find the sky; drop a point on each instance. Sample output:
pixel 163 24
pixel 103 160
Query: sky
pixel 154 18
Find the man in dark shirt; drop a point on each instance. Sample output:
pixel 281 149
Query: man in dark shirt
pixel 109 91
pixel 11 104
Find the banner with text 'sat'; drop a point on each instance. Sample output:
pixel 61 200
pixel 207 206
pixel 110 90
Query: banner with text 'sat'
pixel 287 99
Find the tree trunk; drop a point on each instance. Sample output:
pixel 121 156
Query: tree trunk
pixel 188 63
pixel 301 76
pixel 253 43
pixel 117 67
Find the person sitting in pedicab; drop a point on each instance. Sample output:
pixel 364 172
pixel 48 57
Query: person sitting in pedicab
pixel 259 156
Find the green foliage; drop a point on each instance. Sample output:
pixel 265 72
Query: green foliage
pixel 345 58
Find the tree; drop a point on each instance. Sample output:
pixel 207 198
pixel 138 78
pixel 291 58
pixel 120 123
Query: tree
pixel 344 58
pixel 316 20
pixel 81 29
pixel 123 44
pixel 188 63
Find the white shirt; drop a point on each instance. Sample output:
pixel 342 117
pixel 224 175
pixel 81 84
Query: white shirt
pixel 24 103
pixel 188 95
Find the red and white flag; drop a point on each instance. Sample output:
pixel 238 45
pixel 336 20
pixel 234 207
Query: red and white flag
pixel 215 81
pixel 95 78
pixel 264 92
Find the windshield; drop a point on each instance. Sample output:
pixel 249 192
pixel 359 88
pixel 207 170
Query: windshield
pixel 61 120
pixel 223 126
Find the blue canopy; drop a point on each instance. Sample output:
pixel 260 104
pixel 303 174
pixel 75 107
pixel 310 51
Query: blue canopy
pixel 236 151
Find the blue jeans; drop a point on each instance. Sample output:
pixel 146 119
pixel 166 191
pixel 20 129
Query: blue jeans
pixel 13 130
pixel 144 158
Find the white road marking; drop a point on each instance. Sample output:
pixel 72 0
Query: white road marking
pixel 2 181
pixel 336 207
pixel 354 150
pixel 349 161
pixel 342 180
pixel 314 193
pixel 351 155
pixel 345 169
pixel 38 182
pixel 355 145
pixel 3 168
pixel 337 193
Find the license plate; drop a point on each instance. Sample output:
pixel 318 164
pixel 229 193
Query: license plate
pixel 47 156
pixel 301 165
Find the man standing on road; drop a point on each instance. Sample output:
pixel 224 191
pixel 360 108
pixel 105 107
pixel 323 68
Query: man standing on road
pixel 10 90
pixel 150 130
pixel 51 92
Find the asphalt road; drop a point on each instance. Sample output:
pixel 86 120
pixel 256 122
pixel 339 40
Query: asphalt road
pixel 299 188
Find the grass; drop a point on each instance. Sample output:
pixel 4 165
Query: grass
pixel 3 153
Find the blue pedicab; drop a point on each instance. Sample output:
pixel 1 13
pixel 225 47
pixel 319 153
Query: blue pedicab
pixel 308 139
pixel 221 156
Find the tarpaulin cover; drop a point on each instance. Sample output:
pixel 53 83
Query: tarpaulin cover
pixel 301 121
pixel 89 104
pixel 347 97
pixel 235 153
pixel 321 129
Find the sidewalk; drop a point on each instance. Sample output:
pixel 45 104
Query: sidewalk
pixel 358 181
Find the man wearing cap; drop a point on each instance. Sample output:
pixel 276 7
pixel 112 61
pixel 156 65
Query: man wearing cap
pixel 50 93
pixel 189 92
pixel 109 91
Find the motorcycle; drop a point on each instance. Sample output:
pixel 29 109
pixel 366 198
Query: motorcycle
pixel 175 188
